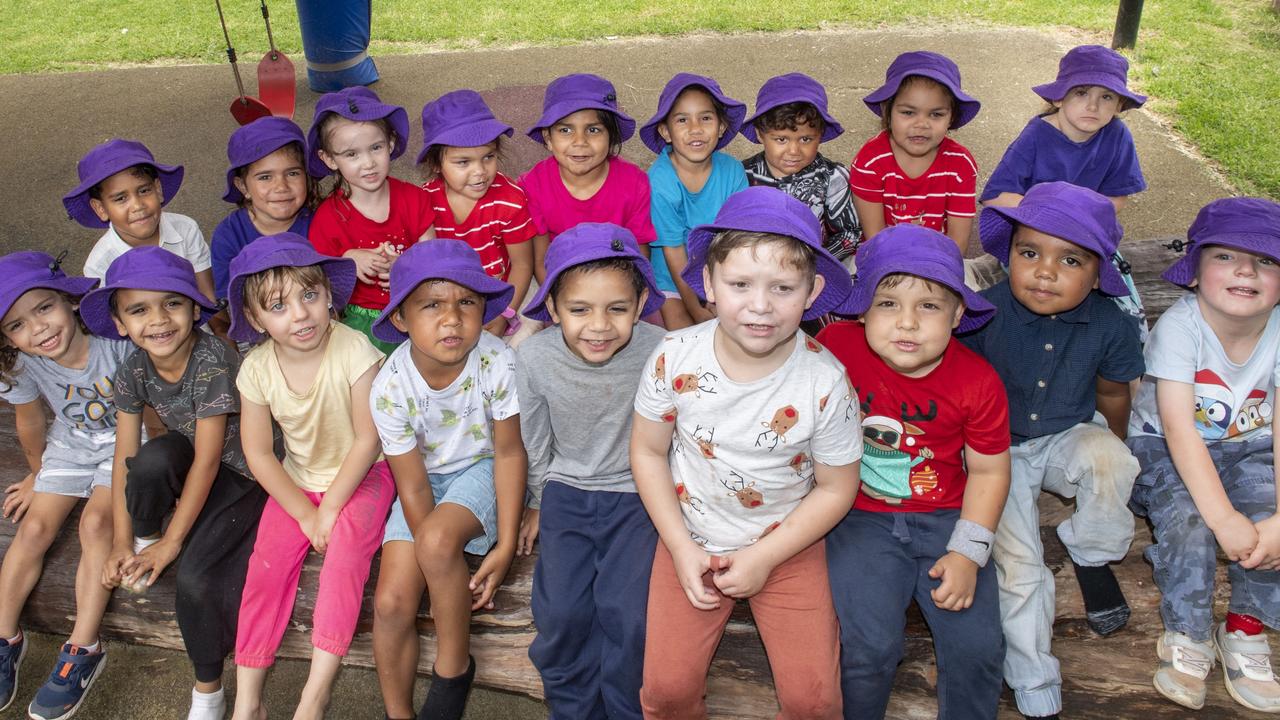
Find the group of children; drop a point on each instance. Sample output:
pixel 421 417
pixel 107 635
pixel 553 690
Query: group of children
pixel 369 371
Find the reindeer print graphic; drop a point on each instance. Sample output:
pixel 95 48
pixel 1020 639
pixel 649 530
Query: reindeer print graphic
pixel 783 420
pixel 689 501
pixel 746 492
pixel 704 437
pixel 660 371
pixel 696 382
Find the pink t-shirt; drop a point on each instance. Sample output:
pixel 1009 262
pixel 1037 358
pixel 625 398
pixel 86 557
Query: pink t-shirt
pixel 622 200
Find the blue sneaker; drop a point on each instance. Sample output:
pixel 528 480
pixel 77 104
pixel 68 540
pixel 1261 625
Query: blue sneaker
pixel 72 676
pixel 10 660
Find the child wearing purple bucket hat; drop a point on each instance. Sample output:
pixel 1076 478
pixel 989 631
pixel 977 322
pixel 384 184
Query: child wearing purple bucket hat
pixel 446 407
pixel 576 387
pixel 1066 355
pixel 689 180
pixel 764 463
pixel 461 146
pixel 584 180
pixel 369 217
pixel 935 459
pixel 123 189
pixel 791 122
pixel 912 172
pixel 1203 431
pixel 196 470
pixel 48 357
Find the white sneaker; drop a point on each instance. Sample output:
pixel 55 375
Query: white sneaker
pixel 1184 664
pixel 1246 667
pixel 207 706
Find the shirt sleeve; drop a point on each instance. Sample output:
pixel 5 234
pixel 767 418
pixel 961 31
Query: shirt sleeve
pixel 653 398
pixel 664 211
pixel 326 233
pixel 528 182
pixel 986 429
pixel 836 438
pixel 224 249
pixel 360 353
pixel 867 183
pixel 638 220
pixel 962 197
pixel 128 393
pixel 841 215
pixel 248 381
pixel 535 428
pixel 392 409
pixel 215 384
pixel 1123 360
pixel 1124 177
pixel 95 266
pixel 424 211
pixel 22 389
pixel 519 223
pixel 1013 172
pixel 1173 347
pixel 194 248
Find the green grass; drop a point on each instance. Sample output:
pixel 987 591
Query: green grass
pixel 1213 67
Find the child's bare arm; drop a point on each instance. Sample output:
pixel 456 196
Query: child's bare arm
pixel 958 229
pixel 412 486
pixel 510 468
pixel 30 422
pixel 204 283
pixel 363 451
pixel 128 440
pixel 1119 201
pixel 1004 199
pixel 677 258
pixel 870 216
pixel 1114 402
pixel 540 244
pixel 521 274
pixel 985 492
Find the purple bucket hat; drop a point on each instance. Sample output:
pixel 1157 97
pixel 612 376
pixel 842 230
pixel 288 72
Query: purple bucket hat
pixel 143 268
pixel 1091 65
pixel 926 64
pixel 459 119
pixel 568 94
pixel 27 270
pixel 769 210
pixel 922 252
pixel 790 88
pixel 584 243
pixel 284 249
pixel 1243 223
pixel 106 160
pixel 1075 214
pixel 250 143
pixel 359 104
pixel 452 260
pixel 734 110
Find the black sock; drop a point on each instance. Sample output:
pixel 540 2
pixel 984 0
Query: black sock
pixel 1104 604
pixel 447 697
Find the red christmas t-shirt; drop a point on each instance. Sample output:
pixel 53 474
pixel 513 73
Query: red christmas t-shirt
pixel 499 219
pixel 947 188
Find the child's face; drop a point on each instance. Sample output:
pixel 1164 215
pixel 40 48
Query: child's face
pixel 160 323
pixel 579 142
pixel 276 186
pixel 759 298
pixel 469 171
pixel 131 203
pixel 443 321
pixel 1237 284
pixel 919 118
pixel 692 127
pixel 1047 274
pixel 787 152
pixel 296 316
pixel 909 324
pixel 597 311
pixel 1085 110
pixel 360 152
pixel 41 322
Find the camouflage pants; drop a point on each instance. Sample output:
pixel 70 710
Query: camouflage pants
pixel 1185 554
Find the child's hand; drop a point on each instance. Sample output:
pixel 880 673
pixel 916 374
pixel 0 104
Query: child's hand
pixel 528 531
pixel 741 574
pixel 154 559
pixel 113 569
pixel 17 497
pixel 489 577
pixel 497 327
pixel 959 579
pixel 692 563
pixel 390 253
pixel 1266 556
pixel 369 264
pixel 1237 536
pixel 325 518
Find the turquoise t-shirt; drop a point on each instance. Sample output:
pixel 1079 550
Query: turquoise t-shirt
pixel 675 211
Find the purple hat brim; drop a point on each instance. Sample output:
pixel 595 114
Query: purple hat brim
pixel 969 106
pixel 481 133
pixel 396 115
pixel 77 204
pixel 72 285
pixel 977 311
pixel 831 128
pixel 1058 89
pixel 564 108
pixel 537 307
pixel 95 307
pixel 340 271
pixel 497 297
pixel 734 109
pixel 233 194
pixel 996 226
pixel 1183 271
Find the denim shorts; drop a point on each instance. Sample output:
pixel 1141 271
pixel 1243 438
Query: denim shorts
pixel 470 487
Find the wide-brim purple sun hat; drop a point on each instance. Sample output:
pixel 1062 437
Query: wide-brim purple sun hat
pixel 452 260
pixel 588 242
pixel 107 159
pixel 568 94
pixel 925 64
pixel 459 119
pixel 792 88
pixel 1243 223
pixel 1070 212
pixel 26 270
pixel 1091 65
pixel 920 252
pixel 769 210
pixel 358 104
pixel 143 268
pixel 735 110
pixel 250 143
pixel 285 249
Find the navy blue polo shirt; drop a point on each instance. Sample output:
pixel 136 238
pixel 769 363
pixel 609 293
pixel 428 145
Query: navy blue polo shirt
pixel 1050 363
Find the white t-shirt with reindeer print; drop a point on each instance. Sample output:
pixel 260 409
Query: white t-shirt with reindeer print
pixel 742 454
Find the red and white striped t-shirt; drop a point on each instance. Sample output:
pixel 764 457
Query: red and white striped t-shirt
pixel 499 219
pixel 948 187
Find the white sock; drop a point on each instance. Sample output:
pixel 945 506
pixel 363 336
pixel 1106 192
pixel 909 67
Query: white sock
pixel 140 543
pixel 91 649
pixel 14 639
pixel 207 706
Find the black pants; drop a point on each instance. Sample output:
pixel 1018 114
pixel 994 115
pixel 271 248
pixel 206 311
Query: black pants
pixel 215 557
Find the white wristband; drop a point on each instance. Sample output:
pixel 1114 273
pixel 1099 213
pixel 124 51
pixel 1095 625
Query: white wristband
pixel 972 541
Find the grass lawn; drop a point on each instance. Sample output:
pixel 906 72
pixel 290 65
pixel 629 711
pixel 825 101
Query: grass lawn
pixel 1213 67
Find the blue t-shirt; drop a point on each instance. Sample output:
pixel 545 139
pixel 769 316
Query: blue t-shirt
pixel 1106 163
pixel 675 211
pixel 233 234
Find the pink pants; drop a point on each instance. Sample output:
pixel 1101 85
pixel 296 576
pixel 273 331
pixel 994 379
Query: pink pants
pixel 272 582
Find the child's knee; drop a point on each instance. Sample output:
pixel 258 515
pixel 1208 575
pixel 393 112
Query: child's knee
pixel 395 606
pixel 1104 460
pixel 672 695
pixel 438 549
pixel 95 524
pixel 812 699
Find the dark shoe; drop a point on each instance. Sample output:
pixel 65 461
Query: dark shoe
pixel 68 684
pixel 447 697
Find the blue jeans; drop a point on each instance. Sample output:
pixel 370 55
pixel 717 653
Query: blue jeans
pixel 878 562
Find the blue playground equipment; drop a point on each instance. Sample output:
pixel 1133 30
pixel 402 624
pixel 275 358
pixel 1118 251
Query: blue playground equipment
pixel 335 40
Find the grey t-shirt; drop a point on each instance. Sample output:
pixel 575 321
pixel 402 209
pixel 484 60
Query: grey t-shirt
pixel 575 417
pixel 206 389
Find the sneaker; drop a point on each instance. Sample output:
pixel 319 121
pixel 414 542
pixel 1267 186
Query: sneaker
pixel 1246 667
pixel 1184 664
pixel 10 660
pixel 68 684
